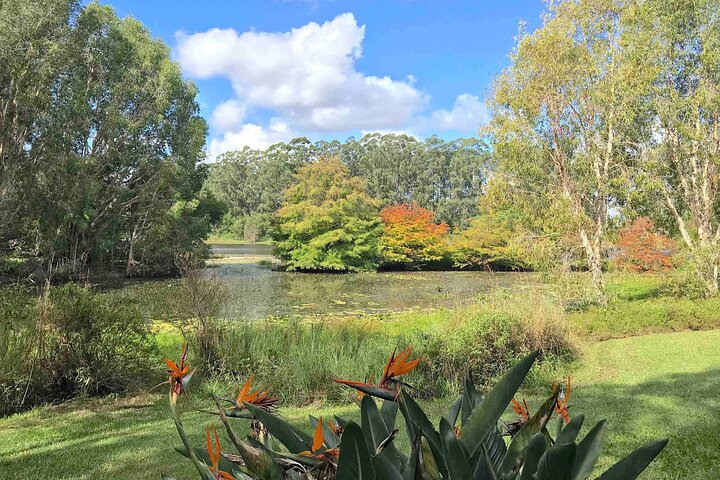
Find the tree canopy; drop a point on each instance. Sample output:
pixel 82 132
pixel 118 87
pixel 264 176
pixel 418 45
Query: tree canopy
pixel 100 140
pixel 328 221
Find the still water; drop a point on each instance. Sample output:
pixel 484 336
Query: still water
pixel 257 291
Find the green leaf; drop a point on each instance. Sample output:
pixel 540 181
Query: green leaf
pixel 355 462
pixel 571 430
pixel 416 418
pixel 631 466
pixel 259 462
pixel 489 459
pixel 376 431
pixel 452 415
pixel 470 399
pixel 589 450
pixel 557 463
pixel 456 460
pixel 485 416
pixel 429 461
pixel 536 424
pixel 533 453
pixel 293 439
pixel 388 410
pixel 384 468
pixel 411 467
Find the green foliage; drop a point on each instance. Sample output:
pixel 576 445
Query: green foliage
pixel 101 140
pixel 299 359
pixel 327 221
pixel 489 243
pixel 69 342
pixel 446 177
pixel 468 444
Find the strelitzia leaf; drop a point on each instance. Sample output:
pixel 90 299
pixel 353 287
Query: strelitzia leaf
pixel 355 462
pixel 534 451
pixel 293 439
pixel 415 417
pixel 486 415
pixel 556 463
pixel 571 430
pixel 589 450
pixel 631 466
pixel 536 424
pixel 452 415
pixel 456 460
pixel 429 461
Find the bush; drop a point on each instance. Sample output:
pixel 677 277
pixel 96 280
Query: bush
pixel 486 339
pixel 411 235
pixel 69 342
pixel 643 249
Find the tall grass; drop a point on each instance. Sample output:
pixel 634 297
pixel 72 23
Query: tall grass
pixel 299 359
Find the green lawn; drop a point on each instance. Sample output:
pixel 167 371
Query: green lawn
pixel 647 387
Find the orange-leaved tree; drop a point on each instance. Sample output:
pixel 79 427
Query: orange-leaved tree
pixel 411 235
pixel 643 249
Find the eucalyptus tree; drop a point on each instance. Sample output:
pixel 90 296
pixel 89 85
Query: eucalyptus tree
pixel 106 133
pixel 562 112
pixel 680 161
pixel 30 35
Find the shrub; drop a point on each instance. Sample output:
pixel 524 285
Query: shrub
pixel 643 249
pixel 67 343
pixel 411 236
pixel 469 443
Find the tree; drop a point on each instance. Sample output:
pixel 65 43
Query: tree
pixel 327 221
pixel 101 136
pixel 489 243
pixel 562 112
pixel 680 152
pixel 643 249
pixel 446 177
pixel 411 235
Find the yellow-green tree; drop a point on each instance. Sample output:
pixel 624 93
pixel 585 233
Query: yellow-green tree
pixel 328 221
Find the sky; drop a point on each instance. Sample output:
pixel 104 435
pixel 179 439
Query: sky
pixel 272 70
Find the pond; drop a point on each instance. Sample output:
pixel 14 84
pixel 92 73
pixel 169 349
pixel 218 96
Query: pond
pixel 258 291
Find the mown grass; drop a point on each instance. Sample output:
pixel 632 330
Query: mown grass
pixel 639 305
pixel 661 385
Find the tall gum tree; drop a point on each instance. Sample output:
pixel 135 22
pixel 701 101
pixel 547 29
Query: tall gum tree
pixel 562 112
pixel 680 154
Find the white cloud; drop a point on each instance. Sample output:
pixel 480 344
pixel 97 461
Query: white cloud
pixel 307 76
pixel 467 114
pixel 250 135
pixel 307 79
pixel 229 115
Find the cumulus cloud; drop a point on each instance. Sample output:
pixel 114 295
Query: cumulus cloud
pixel 250 135
pixel 228 115
pixel 307 79
pixel 307 75
pixel 467 114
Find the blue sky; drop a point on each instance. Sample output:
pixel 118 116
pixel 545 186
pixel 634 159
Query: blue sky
pixel 271 70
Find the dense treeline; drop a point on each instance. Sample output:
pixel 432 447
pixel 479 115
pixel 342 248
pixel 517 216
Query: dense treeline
pixel 446 177
pixel 100 142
